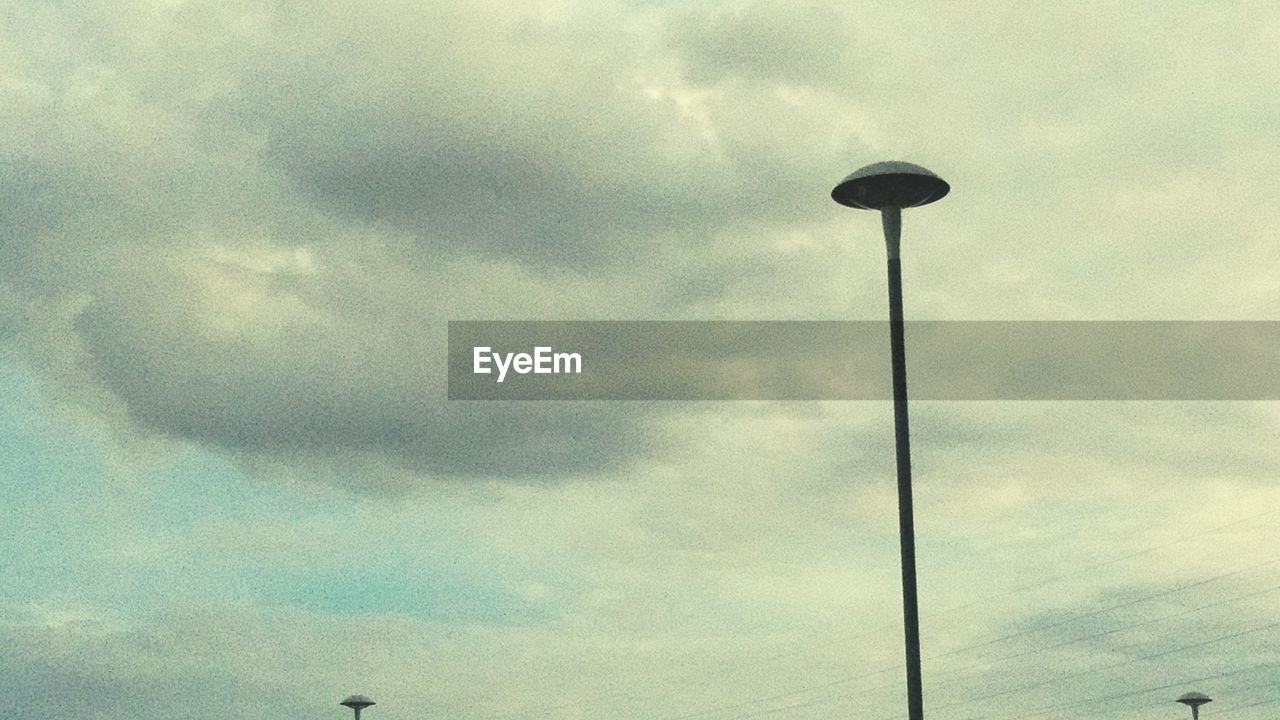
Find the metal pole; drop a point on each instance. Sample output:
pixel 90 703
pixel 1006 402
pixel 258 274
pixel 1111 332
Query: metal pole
pixel 892 219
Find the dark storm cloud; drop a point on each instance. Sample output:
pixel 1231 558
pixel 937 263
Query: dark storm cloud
pixel 137 174
pixel 695 147
pixel 482 196
pixel 516 138
pixel 324 393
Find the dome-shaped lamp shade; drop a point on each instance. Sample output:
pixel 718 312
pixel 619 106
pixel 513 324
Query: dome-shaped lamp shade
pixel 1194 699
pixel 890 184
pixel 357 702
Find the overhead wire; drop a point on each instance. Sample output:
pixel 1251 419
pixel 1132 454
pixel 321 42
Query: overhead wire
pixel 968 648
pixel 1099 611
pixel 1112 631
pixel 1236 708
pixel 1002 595
pixel 1060 678
pixel 955 651
pixel 1017 590
pixel 1095 700
pixel 853 696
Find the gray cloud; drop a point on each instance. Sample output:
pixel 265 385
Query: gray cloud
pixel 278 151
pixel 336 385
pixel 83 670
pixel 796 43
pixel 253 215
pixel 240 227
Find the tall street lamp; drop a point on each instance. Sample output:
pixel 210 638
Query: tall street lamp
pixel 889 187
pixel 1195 700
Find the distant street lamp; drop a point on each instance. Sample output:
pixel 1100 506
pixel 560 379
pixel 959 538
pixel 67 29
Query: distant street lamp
pixel 357 703
pixel 889 187
pixel 1194 700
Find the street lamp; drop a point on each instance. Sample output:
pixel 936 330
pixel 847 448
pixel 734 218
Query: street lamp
pixel 889 187
pixel 357 703
pixel 1195 700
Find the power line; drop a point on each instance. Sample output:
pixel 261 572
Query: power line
pixel 1037 651
pixel 987 599
pixel 955 651
pixel 1134 693
pixel 851 696
pixel 819 701
pixel 1127 603
pixel 622 697
pixel 1152 656
pixel 1269 701
pixel 1087 568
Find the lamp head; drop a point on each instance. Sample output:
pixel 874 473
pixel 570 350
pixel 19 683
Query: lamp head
pixel 890 184
pixel 357 702
pixel 1194 699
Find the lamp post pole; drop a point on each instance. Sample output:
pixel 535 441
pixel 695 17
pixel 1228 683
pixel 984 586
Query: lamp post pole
pixel 892 218
pixel 889 187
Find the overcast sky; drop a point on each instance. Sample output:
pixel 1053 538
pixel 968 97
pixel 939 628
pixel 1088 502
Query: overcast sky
pixel 231 235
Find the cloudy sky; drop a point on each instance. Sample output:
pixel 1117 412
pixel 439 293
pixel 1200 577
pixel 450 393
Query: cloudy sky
pixel 232 234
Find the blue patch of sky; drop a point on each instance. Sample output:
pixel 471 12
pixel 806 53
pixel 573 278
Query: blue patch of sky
pixel 64 540
pixel 39 459
pixel 47 471
pixel 200 484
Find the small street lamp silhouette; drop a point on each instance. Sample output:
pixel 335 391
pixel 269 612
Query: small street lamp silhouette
pixel 1195 700
pixel 357 703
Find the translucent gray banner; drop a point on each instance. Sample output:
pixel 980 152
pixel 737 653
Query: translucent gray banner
pixel 796 360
